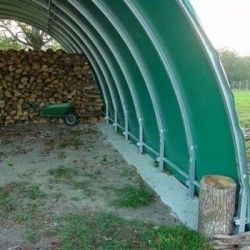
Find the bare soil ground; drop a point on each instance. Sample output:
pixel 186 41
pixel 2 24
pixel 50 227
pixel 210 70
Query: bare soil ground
pixel 51 171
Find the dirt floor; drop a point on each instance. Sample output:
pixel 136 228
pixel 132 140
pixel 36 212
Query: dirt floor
pixel 50 171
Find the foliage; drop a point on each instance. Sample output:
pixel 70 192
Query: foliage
pixel 242 99
pixel 24 36
pixel 9 43
pixel 237 67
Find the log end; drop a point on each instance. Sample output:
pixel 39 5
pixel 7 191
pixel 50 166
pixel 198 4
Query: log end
pixel 219 182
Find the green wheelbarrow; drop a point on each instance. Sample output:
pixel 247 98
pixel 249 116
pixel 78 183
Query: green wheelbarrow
pixel 62 110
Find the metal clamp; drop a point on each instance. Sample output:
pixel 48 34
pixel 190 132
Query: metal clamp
pixel 238 221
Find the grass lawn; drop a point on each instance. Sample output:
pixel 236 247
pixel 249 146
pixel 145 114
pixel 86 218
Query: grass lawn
pixel 105 231
pixel 242 99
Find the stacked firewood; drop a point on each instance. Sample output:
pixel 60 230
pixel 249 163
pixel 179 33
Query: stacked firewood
pixel 30 80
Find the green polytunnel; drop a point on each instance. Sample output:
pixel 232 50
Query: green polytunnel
pixel 161 81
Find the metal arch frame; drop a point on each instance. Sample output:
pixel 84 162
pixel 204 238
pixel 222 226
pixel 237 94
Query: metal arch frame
pixel 236 133
pixel 86 49
pixel 162 153
pixel 85 42
pixel 99 74
pixel 90 55
pixel 174 80
pixel 84 29
pixel 147 78
pixel 92 62
pixel 126 75
pixel 162 148
pixel 162 158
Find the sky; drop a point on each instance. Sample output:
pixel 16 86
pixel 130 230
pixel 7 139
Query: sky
pixel 226 22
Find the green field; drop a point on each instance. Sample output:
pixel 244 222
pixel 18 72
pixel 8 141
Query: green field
pixel 242 99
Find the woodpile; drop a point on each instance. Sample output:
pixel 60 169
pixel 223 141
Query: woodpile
pixel 30 80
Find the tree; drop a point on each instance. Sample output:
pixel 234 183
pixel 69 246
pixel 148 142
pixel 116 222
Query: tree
pixel 26 36
pixel 9 43
pixel 237 67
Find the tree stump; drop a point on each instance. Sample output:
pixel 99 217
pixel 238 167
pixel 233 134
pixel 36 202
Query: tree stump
pixel 216 205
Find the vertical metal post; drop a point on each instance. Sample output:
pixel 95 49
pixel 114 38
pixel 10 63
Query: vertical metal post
pixel 116 121
pixel 126 125
pixel 191 181
pixel 162 148
pixel 241 219
pixel 140 143
pixel 107 112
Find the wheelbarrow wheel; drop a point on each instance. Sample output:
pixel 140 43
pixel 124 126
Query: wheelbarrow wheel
pixel 71 119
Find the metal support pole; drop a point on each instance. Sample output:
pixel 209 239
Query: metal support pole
pixel 191 181
pixel 241 219
pixel 116 121
pixel 140 143
pixel 107 112
pixel 126 125
pixel 162 148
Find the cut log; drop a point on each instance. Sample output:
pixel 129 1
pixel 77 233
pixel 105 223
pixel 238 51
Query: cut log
pixel 2 104
pixel 216 205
